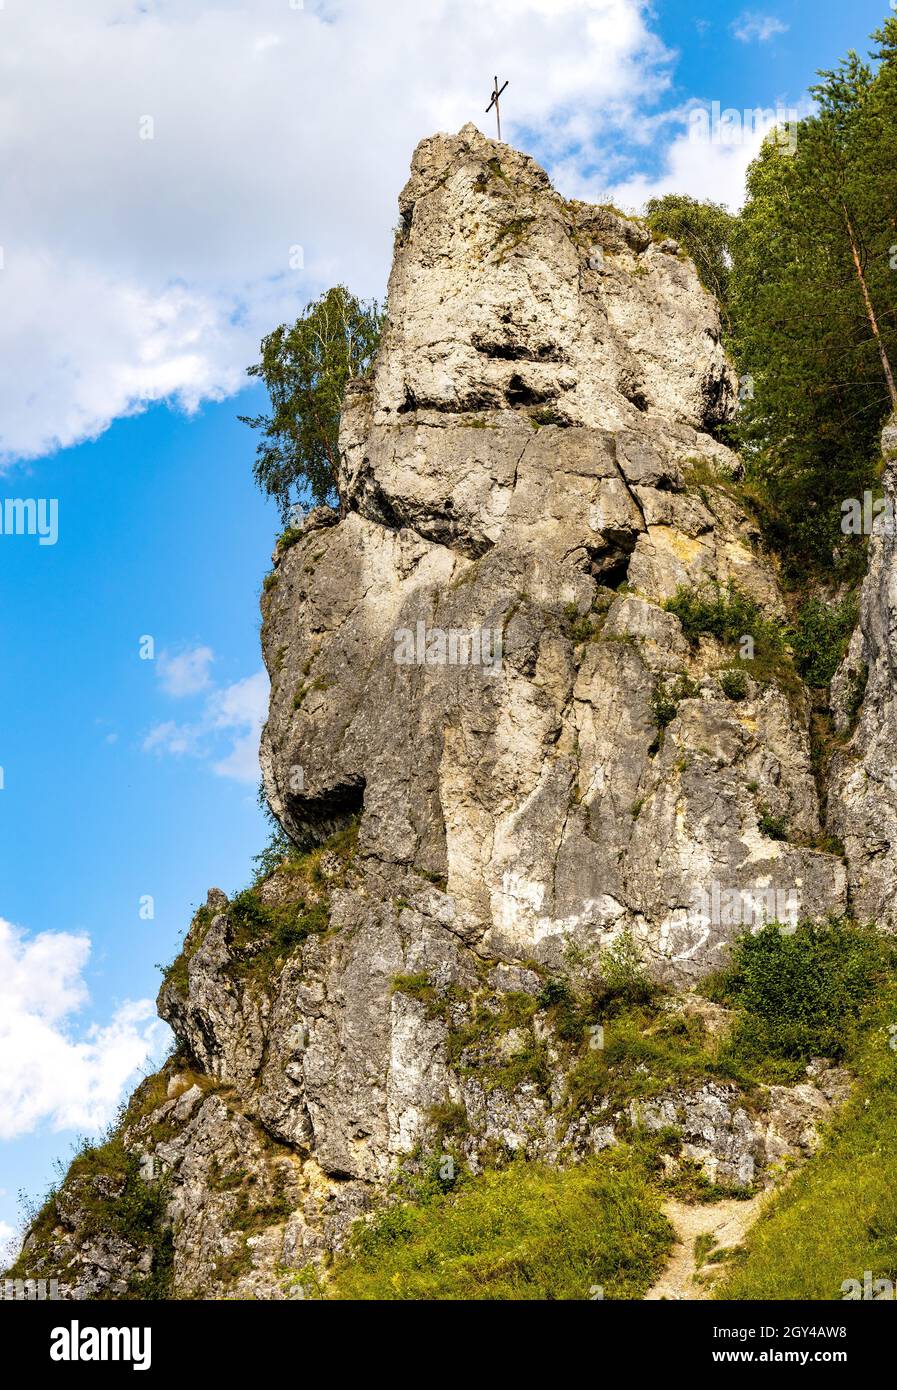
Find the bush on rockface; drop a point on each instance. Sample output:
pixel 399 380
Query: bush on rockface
pixel 718 610
pixel 820 636
pixel 799 995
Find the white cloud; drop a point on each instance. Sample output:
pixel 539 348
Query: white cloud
pixel 10 1242
pixel 242 706
pixel 138 270
pixel 51 1070
pixel 709 157
pixel 187 672
pixel 751 26
pixel 171 737
pixel 233 714
pixel 244 702
pixel 242 762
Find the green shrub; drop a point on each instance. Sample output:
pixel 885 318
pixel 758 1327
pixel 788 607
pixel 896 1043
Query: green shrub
pixel 798 995
pixel 723 612
pixel 667 697
pixel 288 538
pixel 555 993
pixel 568 1016
pixel 278 849
pixel 717 610
pixel 114 1199
pixel 581 627
pixel 820 637
pixel 527 1232
pixel 545 415
pixel 733 683
pixel 622 980
pixel 856 690
pixel 838 1215
pixel 774 827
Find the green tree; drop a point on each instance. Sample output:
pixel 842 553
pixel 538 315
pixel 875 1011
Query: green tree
pixel 306 368
pixel 705 230
pixel 813 302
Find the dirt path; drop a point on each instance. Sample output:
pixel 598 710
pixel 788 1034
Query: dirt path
pixel 725 1223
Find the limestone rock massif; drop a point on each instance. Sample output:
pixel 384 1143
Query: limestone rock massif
pixel 499 750
pixel 516 469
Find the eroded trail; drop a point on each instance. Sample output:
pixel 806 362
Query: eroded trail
pixel 722 1225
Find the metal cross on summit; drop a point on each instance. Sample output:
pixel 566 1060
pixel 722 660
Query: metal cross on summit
pixel 494 102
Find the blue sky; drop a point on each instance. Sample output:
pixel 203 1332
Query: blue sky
pixel 162 534
pixel 137 279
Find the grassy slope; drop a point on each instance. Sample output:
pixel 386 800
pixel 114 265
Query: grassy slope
pixel 529 1232
pixel 525 1232
pixel 838 1217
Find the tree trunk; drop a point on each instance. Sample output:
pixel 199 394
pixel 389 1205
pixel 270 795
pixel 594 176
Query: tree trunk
pixel 870 312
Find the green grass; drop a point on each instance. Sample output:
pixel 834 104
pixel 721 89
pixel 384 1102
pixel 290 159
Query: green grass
pixel 471 1047
pixel 262 934
pixel 838 1216
pixel 525 1232
pixel 645 1053
pixel 177 972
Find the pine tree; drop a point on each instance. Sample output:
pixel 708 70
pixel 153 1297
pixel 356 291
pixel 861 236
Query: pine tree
pixel 813 300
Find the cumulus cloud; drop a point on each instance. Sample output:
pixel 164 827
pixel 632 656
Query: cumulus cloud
pixel 185 673
pixel 231 718
pixel 710 154
pixel 171 737
pixel 10 1243
pixel 140 269
pixel 155 196
pixel 52 1071
pixel 242 706
pixel 751 27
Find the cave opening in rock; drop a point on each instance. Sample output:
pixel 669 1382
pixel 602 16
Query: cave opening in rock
pixel 311 820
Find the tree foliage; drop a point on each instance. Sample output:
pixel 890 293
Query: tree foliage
pixel 305 369
pixel 814 300
pixel 705 231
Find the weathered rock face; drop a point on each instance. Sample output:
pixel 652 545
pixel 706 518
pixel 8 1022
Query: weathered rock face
pixel 505 299
pixel 735 1143
pixel 503 478
pixel 862 805
pixel 473 671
